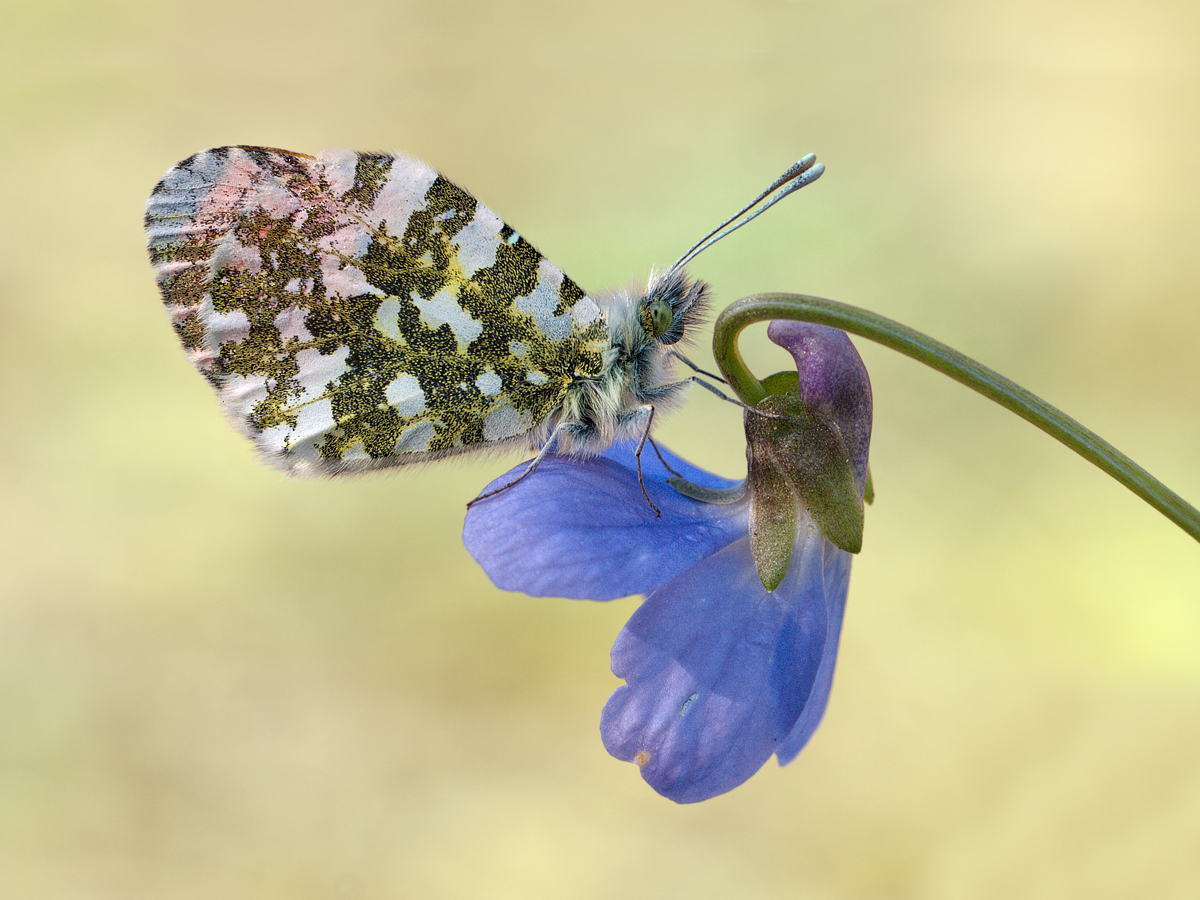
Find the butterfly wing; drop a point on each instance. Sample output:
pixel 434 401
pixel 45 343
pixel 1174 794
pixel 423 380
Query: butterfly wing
pixel 356 311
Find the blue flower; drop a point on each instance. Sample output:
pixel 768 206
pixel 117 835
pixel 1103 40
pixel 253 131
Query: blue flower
pixel 720 673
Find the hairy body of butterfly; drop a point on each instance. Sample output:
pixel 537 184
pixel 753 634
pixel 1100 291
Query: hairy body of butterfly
pixel 356 311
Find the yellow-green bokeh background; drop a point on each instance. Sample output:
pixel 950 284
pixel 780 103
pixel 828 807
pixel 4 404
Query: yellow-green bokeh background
pixel 218 683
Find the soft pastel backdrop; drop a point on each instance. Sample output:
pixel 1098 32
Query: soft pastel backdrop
pixel 218 683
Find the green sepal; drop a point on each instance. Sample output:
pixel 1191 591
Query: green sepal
pixel 772 508
pixel 721 496
pixel 782 383
pixel 795 455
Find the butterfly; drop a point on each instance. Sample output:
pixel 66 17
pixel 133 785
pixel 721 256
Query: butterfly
pixel 356 311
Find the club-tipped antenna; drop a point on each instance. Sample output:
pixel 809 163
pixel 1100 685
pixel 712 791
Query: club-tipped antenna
pixel 802 172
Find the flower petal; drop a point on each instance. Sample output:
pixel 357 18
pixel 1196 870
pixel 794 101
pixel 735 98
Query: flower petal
pixel 625 453
pixel 837 586
pixel 833 380
pixel 581 528
pixel 718 670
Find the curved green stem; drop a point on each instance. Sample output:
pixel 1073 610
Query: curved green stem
pixel 803 308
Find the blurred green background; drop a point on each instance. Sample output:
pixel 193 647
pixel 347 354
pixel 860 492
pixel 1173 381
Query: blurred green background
pixel 218 683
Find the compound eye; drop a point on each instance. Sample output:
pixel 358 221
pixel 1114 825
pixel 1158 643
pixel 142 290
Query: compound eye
pixel 657 317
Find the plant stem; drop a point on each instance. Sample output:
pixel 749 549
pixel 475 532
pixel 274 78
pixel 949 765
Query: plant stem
pixel 803 308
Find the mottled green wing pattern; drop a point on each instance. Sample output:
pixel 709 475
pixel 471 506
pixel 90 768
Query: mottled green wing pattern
pixel 356 311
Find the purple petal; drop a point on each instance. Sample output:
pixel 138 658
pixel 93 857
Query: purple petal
pixel 581 528
pixel 624 453
pixel 834 380
pixel 837 586
pixel 718 671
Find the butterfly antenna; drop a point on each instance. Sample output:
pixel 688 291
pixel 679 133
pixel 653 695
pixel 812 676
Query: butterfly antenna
pixel 802 172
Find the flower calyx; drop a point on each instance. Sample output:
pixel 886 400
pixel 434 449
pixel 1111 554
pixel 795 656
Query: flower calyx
pixel 799 475
pixel 806 448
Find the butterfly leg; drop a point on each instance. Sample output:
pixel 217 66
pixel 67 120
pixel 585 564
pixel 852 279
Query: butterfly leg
pixel 533 464
pixel 661 458
pixel 695 368
pixel 647 413
pixel 695 379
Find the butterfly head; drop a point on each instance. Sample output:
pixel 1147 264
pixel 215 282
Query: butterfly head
pixel 671 306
